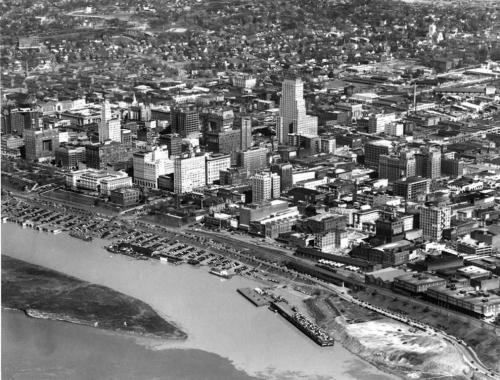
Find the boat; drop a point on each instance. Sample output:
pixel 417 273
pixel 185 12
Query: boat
pixel 193 261
pixel 220 272
pixel 80 235
pixel 170 259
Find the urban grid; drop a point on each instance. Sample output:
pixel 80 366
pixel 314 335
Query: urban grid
pixel 337 161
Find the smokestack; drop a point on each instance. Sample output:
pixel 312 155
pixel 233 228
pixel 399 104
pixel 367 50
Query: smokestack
pixel 415 96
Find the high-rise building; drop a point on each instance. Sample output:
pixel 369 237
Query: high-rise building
pixel 109 129
pixel 428 163
pixel 69 156
pixel 149 165
pixel 452 167
pixel 393 167
pixel 285 171
pixel 111 153
pixel 293 118
pixel 173 141
pixel 374 149
pixel 433 220
pixel 246 132
pixel 233 176
pixel 253 159
pixel 189 174
pixel 41 144
pixel 217 120
pixel 412 188
pixel 185 121
pixel 265 186
pixel 328 144
pixel 214 165
pixel 377 123
pixel 223 142
pixel 16 120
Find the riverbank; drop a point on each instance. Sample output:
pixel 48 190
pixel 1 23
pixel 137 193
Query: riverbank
pixel 389 345
pixel 46 294
pixel 253 339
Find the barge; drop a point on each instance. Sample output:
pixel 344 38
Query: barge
pixel 309 328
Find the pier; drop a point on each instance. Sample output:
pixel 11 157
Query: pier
pixel 257 297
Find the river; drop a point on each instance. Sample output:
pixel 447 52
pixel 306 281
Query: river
pixel 220 324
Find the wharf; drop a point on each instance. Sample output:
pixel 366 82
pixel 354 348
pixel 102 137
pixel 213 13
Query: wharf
pixel 258 299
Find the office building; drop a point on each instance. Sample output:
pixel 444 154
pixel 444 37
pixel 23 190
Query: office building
pixel 173 141
pixel 111 153
pixel 185 122
pixel 285 171
pixel 214 165
pixel 265 186
pixel 149 165
pixel 373 150
pixel 217 120
pixel 226 142
pixel 189 174
pixel 68 157
pixel 109 128
pixel 41 144
pixel 253 160
pixel 393 167
pixel 452 167
pixel 433 220
pixel 428 163
pixel 378 122
pixel 16 120
pixel 246 133
pixel 328 144
pixel 292 117
pixel 233 176
pixel 412 188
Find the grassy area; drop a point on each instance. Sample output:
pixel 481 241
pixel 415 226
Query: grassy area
pixel 28 286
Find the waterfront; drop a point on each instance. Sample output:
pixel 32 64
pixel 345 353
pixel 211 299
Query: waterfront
pixel 216 319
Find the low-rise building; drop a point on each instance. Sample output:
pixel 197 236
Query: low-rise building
pixel 101 181
pixel 417 283
pixel 125 196
pixel 467 300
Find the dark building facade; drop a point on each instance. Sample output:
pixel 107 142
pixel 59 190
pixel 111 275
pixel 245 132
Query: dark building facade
pixel 100 156
pixel 185 121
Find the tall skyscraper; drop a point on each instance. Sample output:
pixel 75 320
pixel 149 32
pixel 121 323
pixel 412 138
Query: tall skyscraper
pixel 293 118
pixel 265 186
pixel 433 220
pixel 109 129
pixel 246 132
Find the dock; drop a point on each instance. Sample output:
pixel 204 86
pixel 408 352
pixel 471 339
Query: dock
pixel 258 299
